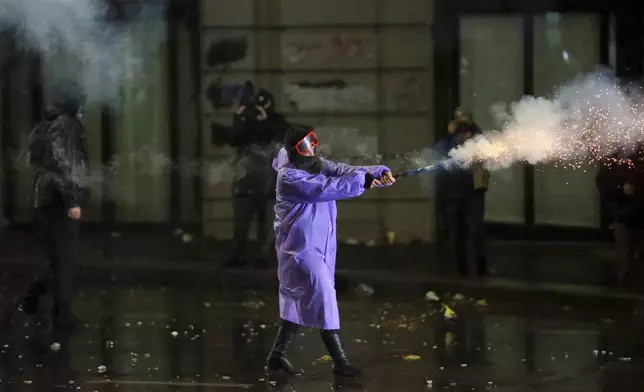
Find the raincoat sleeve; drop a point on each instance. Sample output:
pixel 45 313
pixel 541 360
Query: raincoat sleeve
pixel 302 187
pixel 338 169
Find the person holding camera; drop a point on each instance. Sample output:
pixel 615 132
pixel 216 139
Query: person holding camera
pixel 257 132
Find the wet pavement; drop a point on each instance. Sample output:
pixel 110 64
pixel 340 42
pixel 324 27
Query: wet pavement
pixel 200 338
pixel 157 313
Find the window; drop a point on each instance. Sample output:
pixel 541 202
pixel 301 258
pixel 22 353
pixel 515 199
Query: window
pixel 491 72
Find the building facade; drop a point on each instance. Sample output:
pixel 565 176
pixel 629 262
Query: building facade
pixel 377 76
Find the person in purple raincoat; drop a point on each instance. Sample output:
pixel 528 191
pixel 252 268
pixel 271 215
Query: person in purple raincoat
pixel 305 209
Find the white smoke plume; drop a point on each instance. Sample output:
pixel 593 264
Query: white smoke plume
pixel 80 39
pixel 587 120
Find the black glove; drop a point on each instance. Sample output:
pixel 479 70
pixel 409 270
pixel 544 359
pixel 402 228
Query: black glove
pixel 368 179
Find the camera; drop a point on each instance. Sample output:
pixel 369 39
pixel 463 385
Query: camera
pixel 253 104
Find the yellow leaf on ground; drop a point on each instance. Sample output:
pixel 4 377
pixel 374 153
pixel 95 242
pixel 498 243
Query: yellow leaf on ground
pixel 449 313
pixel 324 358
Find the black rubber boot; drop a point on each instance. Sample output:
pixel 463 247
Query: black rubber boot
pixel 341 365
pixel 277 359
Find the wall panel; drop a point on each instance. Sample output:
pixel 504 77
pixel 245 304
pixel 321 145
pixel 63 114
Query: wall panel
pixel 343 68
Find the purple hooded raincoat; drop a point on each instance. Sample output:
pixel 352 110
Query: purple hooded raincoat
pixel 306 239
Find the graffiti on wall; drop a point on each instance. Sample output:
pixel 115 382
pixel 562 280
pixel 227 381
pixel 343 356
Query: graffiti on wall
pixel 337 49
pixel 329 95
pixel 411 95
pixel 224 52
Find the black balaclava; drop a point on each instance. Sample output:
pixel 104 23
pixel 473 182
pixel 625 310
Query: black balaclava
pixel 68 97
pixel 309 164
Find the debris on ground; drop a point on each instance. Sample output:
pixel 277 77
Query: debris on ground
pixel 411 357
pixel 352 241
pixel 253 304
pixel 324 358
pixel 186 238
pixel 481 303
pixel 365 289
pixel 432 296
pixel 448 312
pixel 458 297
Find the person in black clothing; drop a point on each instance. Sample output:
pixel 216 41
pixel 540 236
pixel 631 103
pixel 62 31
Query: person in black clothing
pixel 257 131
pixel 464 191
pixel 620 183
pixel 58 156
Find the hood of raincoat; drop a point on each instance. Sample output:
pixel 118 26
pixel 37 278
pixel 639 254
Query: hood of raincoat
pixel 314 166
pixel 281 160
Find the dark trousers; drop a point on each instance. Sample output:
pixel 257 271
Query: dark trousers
pixel 247 208
pixel 60 236
pixel 465 218
pixel 629 242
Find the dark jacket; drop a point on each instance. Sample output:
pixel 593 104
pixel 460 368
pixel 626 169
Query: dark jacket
pixel 610 181
pixel 257 144
pixel 58 156
pixel 458 183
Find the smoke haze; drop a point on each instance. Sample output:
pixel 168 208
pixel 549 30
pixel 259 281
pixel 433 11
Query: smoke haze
pixel 80 39
pixel 587 120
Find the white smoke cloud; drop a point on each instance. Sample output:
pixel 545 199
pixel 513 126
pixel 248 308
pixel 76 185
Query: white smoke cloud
pixel 586 120
pixel 77 40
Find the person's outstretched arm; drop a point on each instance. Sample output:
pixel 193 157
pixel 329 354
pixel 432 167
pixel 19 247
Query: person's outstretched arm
pixel 302 187
pixel 339 169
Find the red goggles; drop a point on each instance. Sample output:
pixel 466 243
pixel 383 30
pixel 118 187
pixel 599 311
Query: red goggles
pixel 307 145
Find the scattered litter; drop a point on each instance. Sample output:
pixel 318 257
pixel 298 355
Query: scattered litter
pixel 448 312
pixel 458 297
pixel 324 358
pixel 102 369
pixel 429 383
pixel 391 237
pixel 411 357
pixel 186 238
pixel 625 359
pixel 449 339
pixel 365 289
pixel 352 241
pixel 207 304
pixel 253 304
pixel 174 334
pixel 481 303
pixel 27 381
pixel 55 347
pixel 432 296
pixel 177 232
pixel 225 378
